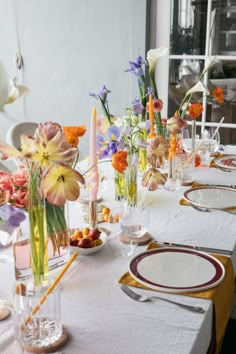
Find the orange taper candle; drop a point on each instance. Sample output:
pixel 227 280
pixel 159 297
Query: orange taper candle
pixel 151 118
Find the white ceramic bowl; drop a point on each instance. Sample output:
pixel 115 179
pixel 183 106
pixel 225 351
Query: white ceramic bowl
pixel 87 251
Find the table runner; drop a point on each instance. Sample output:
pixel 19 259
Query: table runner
pixel 222 309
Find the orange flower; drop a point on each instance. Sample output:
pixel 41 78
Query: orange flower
pixel 73 133
pixel 218 94
pixel 195 110
pixel 119 161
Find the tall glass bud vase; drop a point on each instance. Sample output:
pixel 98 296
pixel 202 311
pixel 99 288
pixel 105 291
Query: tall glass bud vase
pixel 193 135
pixel 142 154
pixel 38 230
pixel 119 185
pixel 131 175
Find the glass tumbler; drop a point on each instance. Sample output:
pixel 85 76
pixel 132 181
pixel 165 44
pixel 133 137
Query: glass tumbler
pixel 36 325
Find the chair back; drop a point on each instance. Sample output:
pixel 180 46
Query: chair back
pixel 15 131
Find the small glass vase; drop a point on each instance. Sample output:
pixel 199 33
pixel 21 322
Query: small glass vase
pixel 131 176
pixel 58 234
pixel 119 185
pixel 142 154
pixel 193 147
pixel 38 230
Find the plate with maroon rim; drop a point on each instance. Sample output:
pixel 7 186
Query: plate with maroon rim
pixel 176 270
pixel 211 197
pixel 228 162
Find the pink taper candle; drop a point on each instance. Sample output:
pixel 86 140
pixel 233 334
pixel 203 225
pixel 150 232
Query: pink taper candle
pixel 93 158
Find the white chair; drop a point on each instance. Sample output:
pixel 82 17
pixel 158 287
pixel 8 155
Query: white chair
pixel 15 131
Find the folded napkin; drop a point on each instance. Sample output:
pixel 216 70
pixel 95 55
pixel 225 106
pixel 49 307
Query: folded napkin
pixel 212 164
pixel 222 309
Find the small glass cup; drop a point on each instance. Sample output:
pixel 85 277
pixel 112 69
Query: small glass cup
pixel 133 224
pixel 42 328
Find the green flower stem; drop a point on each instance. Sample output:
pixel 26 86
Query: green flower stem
pixel 56 225
pixel 157 116
pixel 38 230
pixel 105 111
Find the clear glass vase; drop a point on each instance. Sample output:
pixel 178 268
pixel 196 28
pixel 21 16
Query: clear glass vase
pixel 58 234
pixel 37 230
pixel 119 185
pixel 131 176
pixel 142 154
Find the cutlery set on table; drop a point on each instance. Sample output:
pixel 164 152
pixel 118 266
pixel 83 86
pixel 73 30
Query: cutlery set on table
pixel 179 268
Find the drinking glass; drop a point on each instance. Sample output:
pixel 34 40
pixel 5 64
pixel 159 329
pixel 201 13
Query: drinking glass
pixel 186 140
pixel 44 326
pixel 210 145
pixel 133 224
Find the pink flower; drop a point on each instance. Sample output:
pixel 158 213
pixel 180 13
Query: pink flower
pixel 175 124
pixel 6 186
pixel 20 198
pixel 20 177
pixel 157 105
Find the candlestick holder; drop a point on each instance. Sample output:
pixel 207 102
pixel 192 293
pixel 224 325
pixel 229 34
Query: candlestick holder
pixel 93 213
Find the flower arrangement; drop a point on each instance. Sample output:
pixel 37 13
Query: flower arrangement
pixel 45 183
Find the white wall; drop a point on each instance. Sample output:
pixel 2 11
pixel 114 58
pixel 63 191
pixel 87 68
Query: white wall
pixel 70 48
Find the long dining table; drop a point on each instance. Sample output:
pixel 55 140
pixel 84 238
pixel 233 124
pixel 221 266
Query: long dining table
pixel 101 319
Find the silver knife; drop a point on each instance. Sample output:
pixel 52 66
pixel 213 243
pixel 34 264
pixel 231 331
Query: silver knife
pixel 197 248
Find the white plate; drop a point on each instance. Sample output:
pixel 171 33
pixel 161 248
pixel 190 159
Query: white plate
pixel 176 270
pixel 88 251
pixel 228 162
pixel 211 197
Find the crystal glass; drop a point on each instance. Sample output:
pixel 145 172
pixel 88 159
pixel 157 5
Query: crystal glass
pixel 133 224
pixel 44 326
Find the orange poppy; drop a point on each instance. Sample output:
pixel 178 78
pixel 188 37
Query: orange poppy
pixel 218 94
pixel 195 110
pixel 119 161
pixel 73 133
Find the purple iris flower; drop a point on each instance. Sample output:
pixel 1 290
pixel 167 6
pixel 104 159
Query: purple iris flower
pixel 108 145
pixel 137 106
pixel 12 216
pixel 136 67
pixel 113 133
pixel 100 141
pixel 102 95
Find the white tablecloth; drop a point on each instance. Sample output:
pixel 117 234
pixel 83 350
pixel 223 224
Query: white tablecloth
pixel 101 319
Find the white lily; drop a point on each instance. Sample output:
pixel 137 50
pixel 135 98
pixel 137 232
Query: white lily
pixel 154 54
pixel 213 61
pixel 16 91
pixel 199 87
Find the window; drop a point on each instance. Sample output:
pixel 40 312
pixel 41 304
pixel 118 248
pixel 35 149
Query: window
pixel 200 29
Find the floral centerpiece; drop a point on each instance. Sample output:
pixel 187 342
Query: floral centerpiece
pixel 124 135
pixel 48 181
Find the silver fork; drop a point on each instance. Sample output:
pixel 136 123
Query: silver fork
pixel 144 298
pixel 209 209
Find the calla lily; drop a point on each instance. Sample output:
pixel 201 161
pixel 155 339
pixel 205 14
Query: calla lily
pixel 199 87
pixel 16 91
pixel 154 54
pixel 213 61
pixel 60 183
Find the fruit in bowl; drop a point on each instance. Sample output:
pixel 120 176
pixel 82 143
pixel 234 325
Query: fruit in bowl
pixel 87 241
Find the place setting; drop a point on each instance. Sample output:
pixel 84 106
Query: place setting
pixel 207 198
